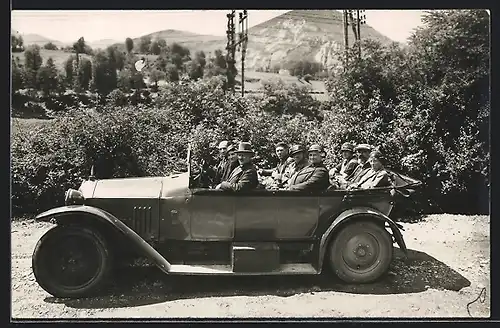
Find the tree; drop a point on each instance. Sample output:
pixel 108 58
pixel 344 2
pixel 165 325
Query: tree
pixel 172 73
pixel 17 75
pixel 155 48
pixel 129 45
pixel 32 63
pixel 50 46
pixel 85 73
pixel 68 69
pixel 104 77
pixel 156 75
pixel 17 43
pixel 116 57
pixel 145 44
pixel 194 70
pixel 47 77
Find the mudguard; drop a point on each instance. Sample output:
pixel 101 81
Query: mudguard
pixel 66 211
pixel 353 213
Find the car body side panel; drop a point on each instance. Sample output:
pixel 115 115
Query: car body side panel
pixel 297 216
pixel 212 217
pixel 255 218
pixel 175 218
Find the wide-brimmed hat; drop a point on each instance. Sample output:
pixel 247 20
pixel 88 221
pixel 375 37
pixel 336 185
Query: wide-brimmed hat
pixel 231 147
pixel 245 147
pixel 363 147
pixel 347 146
pixel 223 144
pixel 296 149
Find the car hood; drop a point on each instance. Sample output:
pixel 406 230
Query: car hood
pixel 148 187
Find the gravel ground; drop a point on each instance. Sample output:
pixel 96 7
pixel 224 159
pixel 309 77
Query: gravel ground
pixel 448 267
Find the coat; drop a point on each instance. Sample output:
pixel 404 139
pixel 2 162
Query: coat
pixel 359 172
pixel 373 179
pixel 219 170
pixel 311 177
pixel 243 177
pixel 347 166
pixel 291 169
pixel 228 168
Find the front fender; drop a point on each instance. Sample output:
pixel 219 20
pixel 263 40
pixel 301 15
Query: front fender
pixel 351 214
pixel 65 212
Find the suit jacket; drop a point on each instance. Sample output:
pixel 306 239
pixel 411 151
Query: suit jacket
pixel 347 166
pixel 243 177
pixel 373 179
pixel 219 170
pixel 311 177
pixel 359 172
pixel 228 168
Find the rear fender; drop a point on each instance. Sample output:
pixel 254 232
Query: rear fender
pixel 63 214
pixel 349 215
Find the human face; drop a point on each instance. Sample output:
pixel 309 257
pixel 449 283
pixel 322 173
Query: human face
pixel 232 156
pixel 315 157
pixel 346 154
pixel 244 158
pixel 281 152
pixel 223 151
pixel 298 157
pixel 363 155
pixel 376 164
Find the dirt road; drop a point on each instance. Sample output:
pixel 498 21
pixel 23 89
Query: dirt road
pixel 448 267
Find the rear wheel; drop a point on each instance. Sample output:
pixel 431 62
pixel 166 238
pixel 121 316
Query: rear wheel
pixel 361 252
pixel 72 261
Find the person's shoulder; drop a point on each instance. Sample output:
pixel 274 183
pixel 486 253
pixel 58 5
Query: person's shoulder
pixel 353 161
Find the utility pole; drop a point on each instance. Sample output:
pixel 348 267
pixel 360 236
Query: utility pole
pixel 346 36
pixel 241 44
pixel 231 47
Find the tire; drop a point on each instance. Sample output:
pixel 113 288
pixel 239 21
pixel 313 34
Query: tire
pixel 361 252
pixel 72 262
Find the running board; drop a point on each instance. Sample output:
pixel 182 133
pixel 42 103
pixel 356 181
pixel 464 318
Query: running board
pixel 284 269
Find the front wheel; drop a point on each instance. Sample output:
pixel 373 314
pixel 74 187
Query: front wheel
pixel 71 261
pixel 361 252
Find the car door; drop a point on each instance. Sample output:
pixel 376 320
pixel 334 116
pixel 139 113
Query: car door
pixel 297 214
pixel 212 215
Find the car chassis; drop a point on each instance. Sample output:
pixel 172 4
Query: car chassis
pixel 188 230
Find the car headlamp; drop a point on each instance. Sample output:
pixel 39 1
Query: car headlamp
pixel 73 196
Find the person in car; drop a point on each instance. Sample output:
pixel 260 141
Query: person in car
pixel 232 162
pixel 314 176
pixel 348 164
pixel 282 152
pixel 363 153
pixel 244 176
pixel 219 168
pixel 377 176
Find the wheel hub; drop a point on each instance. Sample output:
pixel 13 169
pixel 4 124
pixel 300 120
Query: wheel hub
pixel 361 252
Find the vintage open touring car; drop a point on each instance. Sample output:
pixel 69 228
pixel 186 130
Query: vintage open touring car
pixel 189 230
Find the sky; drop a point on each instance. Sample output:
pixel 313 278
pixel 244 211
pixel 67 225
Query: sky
pixel 68 26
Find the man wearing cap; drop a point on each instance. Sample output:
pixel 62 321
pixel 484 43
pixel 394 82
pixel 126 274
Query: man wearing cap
pixel 376 176
pixel 282 152
pixel 298 154
pixel 219 168
pixel 232 162
pixel 363 152
pixel 348 164
pixel 314 176
pixel 244 176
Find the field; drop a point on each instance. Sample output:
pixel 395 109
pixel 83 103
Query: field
pixel 447 269
pixel 58 56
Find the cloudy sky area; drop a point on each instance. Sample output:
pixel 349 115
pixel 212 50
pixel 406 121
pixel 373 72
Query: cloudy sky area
pixel 67 26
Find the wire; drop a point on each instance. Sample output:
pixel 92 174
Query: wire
pixel 481 300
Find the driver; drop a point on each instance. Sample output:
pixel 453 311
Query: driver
pixel 219 168
pixel 244 176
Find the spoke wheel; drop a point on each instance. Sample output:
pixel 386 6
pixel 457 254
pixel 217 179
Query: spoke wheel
pixel 361 252
pixel 71 261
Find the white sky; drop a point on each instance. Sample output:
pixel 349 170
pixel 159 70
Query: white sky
pixel 68 26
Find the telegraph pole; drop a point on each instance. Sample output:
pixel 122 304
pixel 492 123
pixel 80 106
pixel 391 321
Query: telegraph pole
pixel 346 35
pixel 231 46
pixel 241 44
pixel 243 28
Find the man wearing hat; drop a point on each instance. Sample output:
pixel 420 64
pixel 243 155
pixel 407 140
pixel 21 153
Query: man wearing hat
pixel 348 164
pixel 219 168
pixel 376 176
pixel 314 176
pixel 363 152
pixel 244 176
pixel 298 155
pixel 232 162
pixel 282 152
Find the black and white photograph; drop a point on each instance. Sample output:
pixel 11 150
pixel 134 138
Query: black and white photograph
pixel 266 164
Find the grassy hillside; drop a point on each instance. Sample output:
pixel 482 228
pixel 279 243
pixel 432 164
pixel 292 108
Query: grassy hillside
pixel 58 56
